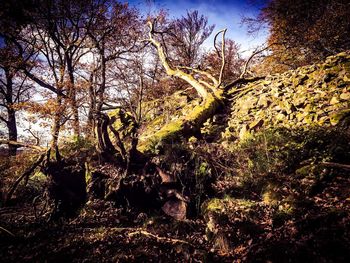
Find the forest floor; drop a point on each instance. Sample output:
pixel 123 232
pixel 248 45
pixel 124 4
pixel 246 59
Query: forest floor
pixel 318 230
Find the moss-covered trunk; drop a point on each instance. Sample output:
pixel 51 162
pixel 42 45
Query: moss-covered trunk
pixel 185 126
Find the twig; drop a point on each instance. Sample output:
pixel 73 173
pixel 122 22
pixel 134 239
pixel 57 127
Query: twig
pixel 7 231
pixel 222 57
pixel 256 51
pixel 37 139
pixel 165 239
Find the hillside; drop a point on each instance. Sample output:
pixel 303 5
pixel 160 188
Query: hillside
pixel 266 178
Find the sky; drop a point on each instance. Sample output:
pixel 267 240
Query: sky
pixel 224 14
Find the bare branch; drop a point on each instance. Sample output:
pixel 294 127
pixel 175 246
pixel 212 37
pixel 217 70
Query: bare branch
pixel 37 139
pixel 21 144
pixel 256 52
pixel 222 56
pixel 27 173
pixel 207 74
pixel 175 72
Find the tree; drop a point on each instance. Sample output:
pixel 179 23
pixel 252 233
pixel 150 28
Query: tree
pixel 233 61
pixel 187 34
pixel 303 32
pixel 13 85
pixel 13 91
pixel 208 88
pixel 113 35
pixel 57 33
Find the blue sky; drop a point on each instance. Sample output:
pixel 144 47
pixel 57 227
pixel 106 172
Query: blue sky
pixel 224 14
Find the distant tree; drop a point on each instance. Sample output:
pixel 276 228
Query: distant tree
pixel 187 34
pixel 233 61
pixel 113 35
pixel 305 31
pixel 13 91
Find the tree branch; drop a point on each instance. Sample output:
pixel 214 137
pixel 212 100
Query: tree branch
pixel 223 31
pixel 201 90
pixel 21 144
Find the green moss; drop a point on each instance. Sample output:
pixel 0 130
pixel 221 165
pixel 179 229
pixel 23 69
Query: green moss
pixel 189 122
pixel 227 204
pixel 214 205
pixel 165 134
pixel 39 177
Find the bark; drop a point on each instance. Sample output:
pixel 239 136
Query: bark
pixel 72 97
pixel 92 109
pixel 101 90
pixel 104 145
pixel 21 144
pixel 190 124
pixel 12 130
pixel 187 126
pixel 11 113
pixel 176 72
pixel 55 130
pixel 56 125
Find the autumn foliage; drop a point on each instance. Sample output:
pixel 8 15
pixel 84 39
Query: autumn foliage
pixel 303 32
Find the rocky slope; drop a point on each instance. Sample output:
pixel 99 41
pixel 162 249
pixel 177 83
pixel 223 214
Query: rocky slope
pixel 316 95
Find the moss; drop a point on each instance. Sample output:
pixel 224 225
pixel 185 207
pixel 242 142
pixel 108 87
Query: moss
pixel 226 204
pixel 270 195
pixel 214 205
pixel 304 171
pixel 291 105
pixel 39 177
pixel 183 126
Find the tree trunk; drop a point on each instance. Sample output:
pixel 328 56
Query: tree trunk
pixel 12 130
pixel 55 130
pixel 72 97
pixel 11 113
pixel 56 125
pixel 92 109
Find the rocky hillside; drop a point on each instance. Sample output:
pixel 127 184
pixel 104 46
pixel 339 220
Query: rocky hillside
pixel 316 95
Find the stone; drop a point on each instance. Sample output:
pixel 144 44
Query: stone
pixel 345 96
pixel 334 100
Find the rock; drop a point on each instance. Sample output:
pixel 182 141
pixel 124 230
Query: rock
pixel 256 124
pixel 176 209
pixel 345 96
pixel 334 100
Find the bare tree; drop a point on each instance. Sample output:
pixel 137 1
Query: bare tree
pixel 13 91
pixel 187 34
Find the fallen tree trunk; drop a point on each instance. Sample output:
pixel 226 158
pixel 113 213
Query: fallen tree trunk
pixel 186 126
